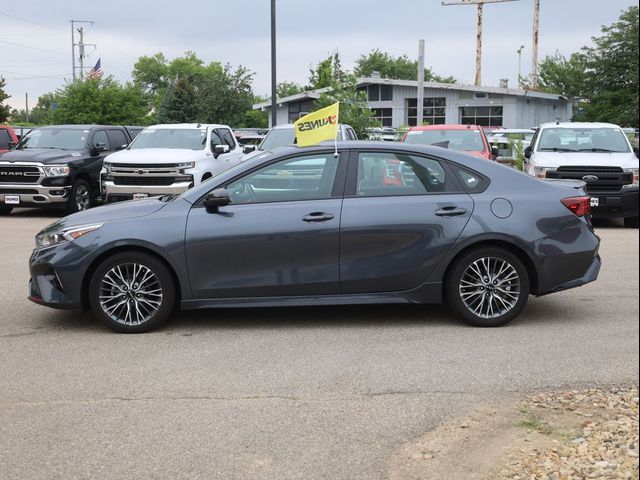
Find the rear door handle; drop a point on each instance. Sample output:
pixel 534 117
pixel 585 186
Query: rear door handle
pixel 450 212
pixel 318 217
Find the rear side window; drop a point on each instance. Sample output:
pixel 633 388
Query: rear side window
pixel 471 181
pixel 117 138
pixel 396 174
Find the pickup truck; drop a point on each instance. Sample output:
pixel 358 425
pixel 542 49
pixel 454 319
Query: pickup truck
pixel 168 159
pixel 596 153
pixel 8 138
pixel 58 166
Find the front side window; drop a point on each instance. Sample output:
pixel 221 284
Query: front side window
pixel 393 174
pixel 466 140
pixel 182 138
pixel 309 177
pixel 100 139
pixel 58 138
pixel 583 140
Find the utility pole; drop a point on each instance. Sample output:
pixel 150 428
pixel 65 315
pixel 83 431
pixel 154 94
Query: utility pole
pixel 420 99
pixel 26 105
pixel 519 51
pixel 480 4
pixel 534 49
pixel 274 116
pixel 81 46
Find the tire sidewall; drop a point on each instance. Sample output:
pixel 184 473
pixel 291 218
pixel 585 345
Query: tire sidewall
pixel 454 275
pixel 72 207
pixel 159 269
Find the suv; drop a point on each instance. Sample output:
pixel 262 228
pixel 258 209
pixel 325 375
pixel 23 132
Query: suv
pixel 470 139
pixel 282 135
pixel 8 138
pixel 168 159
pixel 57 166
pixel 597 153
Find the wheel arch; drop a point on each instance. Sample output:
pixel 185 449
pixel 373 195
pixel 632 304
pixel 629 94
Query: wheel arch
pixel 86 280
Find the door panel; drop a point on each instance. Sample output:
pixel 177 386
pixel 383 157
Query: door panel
pixel 264 250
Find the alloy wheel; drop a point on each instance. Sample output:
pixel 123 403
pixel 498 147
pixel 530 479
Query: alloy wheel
pixel 82 198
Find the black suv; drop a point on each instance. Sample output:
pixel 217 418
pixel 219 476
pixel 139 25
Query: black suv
pixel 58 166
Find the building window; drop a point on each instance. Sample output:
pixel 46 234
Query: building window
pixel 434 111
pixel 378 93
pixel 384 116
pixel 483 116
pixel 300 109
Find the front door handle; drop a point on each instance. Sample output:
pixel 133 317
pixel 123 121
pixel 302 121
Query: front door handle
pixel 318 217
pixel 450 211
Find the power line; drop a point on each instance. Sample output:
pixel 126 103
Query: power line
pixel 32 22
pixel 32 48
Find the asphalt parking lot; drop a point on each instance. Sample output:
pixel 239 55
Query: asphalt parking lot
pixel 282 393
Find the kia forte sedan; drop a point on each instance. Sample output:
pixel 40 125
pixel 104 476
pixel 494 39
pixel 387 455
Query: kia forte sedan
pixel 379 222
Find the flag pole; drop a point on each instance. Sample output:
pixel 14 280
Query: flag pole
pixel 335 139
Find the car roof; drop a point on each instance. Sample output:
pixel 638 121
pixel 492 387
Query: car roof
pixel 579 125
pixel 74 127
pixel 187 126
pixel 444 127
pixel 290 125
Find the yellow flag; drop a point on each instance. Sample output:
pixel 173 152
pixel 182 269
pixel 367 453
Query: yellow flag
pixel 317 126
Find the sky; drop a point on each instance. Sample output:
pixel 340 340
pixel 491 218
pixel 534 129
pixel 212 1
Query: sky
pixel 35 36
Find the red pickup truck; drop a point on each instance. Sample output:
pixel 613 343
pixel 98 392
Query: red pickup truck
pixel 8 138
pixel 464 138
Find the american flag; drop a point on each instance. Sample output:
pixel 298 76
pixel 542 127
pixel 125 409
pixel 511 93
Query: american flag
pixel 96 71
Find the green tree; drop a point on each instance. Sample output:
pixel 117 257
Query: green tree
pixel 285 89
pixel 5 110
pixel 400 68
pixel 40 114
pixel 102 101
pixel 180 104
pixel 566 76
pixel 326 72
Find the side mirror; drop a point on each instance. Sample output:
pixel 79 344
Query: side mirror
pixel 123 146
pixel 219 150
pixel 528 151
pixel 217 198
pixel 495 151
pixel 249 149
pixel 98 147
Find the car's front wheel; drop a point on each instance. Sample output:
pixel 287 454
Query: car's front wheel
pixel 487 287
pixel 132 292
pixel 79 197
pixel 5 210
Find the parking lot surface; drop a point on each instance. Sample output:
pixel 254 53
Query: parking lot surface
pixel 304 393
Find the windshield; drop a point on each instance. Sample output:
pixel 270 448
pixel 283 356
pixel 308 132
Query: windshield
pixel 58 138
pixel 281 137
pixel 460 140
pixel 188 138
pixel 582 140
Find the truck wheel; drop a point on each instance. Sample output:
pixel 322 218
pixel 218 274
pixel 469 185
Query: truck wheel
pixel 631 222
pixel 487 287
pixel 132 292
pixel 79 197
pixel 5 210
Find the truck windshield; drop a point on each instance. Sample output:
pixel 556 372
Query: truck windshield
pixel 58 138
pixel 281 137
pixel 187 138
pixel 582 140
pixel 460 140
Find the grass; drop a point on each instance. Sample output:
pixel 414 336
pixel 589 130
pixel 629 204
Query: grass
pixel 533 422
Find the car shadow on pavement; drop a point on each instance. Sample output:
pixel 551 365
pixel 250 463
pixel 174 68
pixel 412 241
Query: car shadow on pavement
pixel 52 213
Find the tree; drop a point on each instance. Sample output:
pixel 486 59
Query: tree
pixel 400 68
pixel 285 89
pixel 40 114
pixel 101 101
pixel 326 72
pixel 180 106
pixel 5 110
pixel 566 76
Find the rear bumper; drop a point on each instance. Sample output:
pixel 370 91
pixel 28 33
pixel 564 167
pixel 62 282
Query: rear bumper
pixel 619 205
pixel 33 195
pixel 590 275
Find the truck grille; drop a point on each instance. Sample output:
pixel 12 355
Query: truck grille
pixel 19 174
pixel 610 179
pixel 143 180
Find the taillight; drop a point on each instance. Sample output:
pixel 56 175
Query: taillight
pixel 580 206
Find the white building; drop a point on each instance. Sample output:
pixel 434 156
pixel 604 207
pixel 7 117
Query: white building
pixel 394 104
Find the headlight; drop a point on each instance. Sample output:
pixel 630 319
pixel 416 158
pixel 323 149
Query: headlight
pixel 48 239
pixel 541 172
pixel 107 167
pixel 56 170
pixel 187 165
pixel 634 174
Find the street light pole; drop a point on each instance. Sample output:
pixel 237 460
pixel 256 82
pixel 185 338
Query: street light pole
pixel 273 64
pixel 520 62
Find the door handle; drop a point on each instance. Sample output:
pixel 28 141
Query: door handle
pixel 318 217
pixel 450 211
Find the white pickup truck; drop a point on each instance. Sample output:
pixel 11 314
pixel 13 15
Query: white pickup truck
pixel 168 159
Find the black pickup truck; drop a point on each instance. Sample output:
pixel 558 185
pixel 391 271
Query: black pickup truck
pixel 58 166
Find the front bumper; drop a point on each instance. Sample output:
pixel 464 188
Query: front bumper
pixel 35 195
pixel 113 192
pixel 616 205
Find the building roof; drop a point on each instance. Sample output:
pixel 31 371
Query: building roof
pixel 363 81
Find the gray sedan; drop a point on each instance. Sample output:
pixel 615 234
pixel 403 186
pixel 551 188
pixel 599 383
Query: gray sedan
pixel 376 223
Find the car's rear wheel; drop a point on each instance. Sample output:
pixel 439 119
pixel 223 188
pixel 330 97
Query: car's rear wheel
pixel 79 197
pixel 631 222
pixel 487 287
pixel 132 292
pixel 5 210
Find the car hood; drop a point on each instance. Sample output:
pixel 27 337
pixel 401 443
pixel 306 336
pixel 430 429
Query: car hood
pixel 111 212
pixel 41 155
pixel 476 153
pixel 156 155
pixel 587 159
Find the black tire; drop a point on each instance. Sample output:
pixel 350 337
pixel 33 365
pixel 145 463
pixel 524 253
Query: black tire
pixel 80 197
pixel 631 222
pixel 460 282
pixel 116 317
pixel 5 210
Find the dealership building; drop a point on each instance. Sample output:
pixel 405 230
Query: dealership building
pixel 394 103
